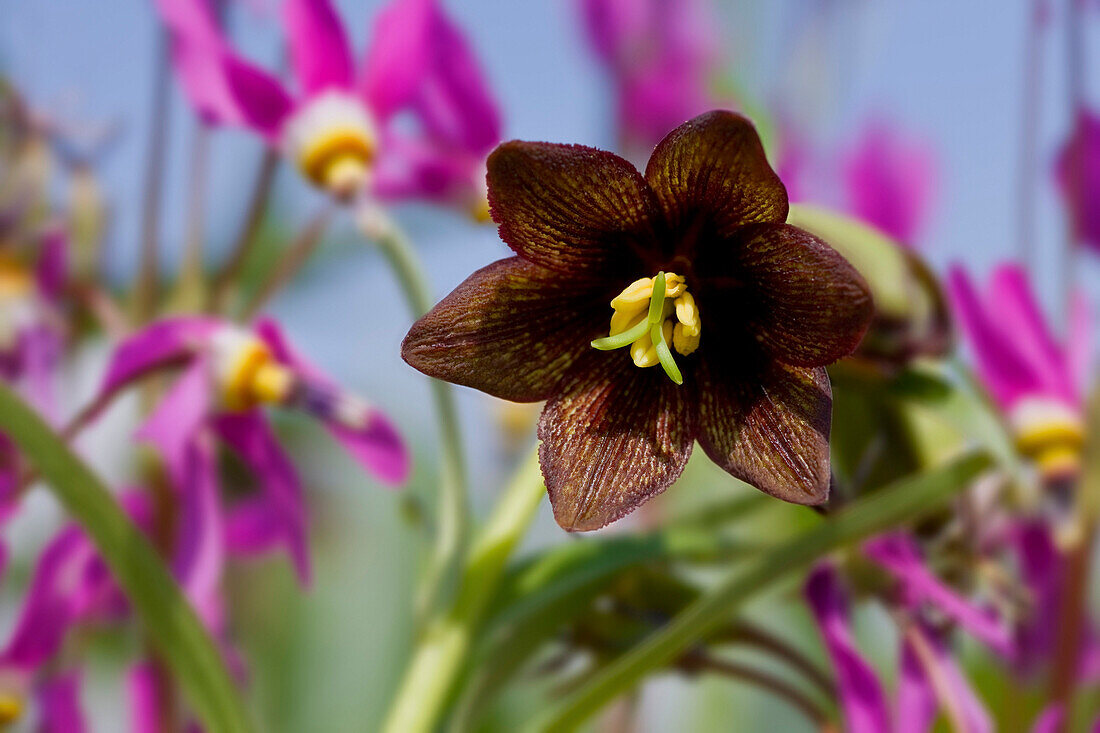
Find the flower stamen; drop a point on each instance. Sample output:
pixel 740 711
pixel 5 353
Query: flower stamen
pixel 650 314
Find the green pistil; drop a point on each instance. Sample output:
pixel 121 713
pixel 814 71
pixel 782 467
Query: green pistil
pixel 652 324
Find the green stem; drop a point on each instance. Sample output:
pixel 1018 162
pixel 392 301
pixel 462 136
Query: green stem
pixel 437 661
pixel 900 502
pixel 169 619
pixel 453 515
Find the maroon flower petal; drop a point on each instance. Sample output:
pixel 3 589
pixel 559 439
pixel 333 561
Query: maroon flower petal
pixel 512 329
pixel 612 438
pixel 770 430
pixel 712 171
pixel 568 207
pixel 808 306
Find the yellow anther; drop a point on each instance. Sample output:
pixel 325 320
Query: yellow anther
pixel 15 280
pixel 11 708
pixel 249 374
pixel 338 160
pixel 674 285
pixel 1058 461
pixel 635 297
pixel 623 320
pixel 644 352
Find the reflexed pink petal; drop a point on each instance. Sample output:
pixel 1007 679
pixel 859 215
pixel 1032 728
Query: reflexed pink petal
pixel 861 696
pixel 278 514
pixel 58 699
pixel 165 342
pixel 318 46
pixel 41 347
pixel 146 705
pixel 975 716
pixel 917 704
pixel 199 556
pixel 1041 572
pixel 1050 720
pixel 377 446
pixel 419 60
pixel 1078 174
pixel 52 268
pixel 1011 298
pixel 174 425
pixel 415 168
pixel 1079 345
pixel 59 593
pixel 198 48
pixel 1004 371
pixel 263 102
pixel 900 556
pixel 890 182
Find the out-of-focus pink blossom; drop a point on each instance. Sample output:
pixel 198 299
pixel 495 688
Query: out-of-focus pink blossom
pixel 924 657
pixel 1078 175
pixel 349 130
pixel 228 374
pixel 889 181
pixel 663 59
pixel 1036 380
pixel 887 177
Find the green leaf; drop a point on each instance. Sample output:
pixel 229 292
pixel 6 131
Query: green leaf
pixel 900 502
pixel 170 621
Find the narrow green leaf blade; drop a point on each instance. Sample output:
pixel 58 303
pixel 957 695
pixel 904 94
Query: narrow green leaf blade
pixel 156 598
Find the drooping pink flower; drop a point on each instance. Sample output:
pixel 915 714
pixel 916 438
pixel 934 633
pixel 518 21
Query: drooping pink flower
pixel 663 59
pixel 863 701
pixel 1078 175
pixel 349 130
pixel 228 374
pixel 1036 380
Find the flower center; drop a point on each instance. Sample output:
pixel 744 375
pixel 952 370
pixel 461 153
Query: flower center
pixel 246 371
pixel 11 707
pixel 650 314
pixel 16 307
pixel 1051 434
pixel 334 140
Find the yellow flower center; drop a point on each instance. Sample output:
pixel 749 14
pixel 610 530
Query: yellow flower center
pixel 15 281
pixel 247 373
pixel 1050 434
pixel 650 314
pixel 11 707
pixel 334 142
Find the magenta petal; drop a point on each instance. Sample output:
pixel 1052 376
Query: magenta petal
pixel 198 47
pixel 917 703
pixel 174 425
pixel 146 705
pixel 418 59
pixel 59 592
pixel 165 342
pixel 1079 345
pixel 1050 720
pixel 899 555
pixel 59 707
pixel 861 696
pixel 264 103
pixel 377 446
pixel 199 557
pixel 1041 572
pixel 42 348
pixel 52 267
pixel 280 511
pixel 416 168
pixel 890 182
pixel 1006 373
pixel 1078 174
pixel 1014 303
pixel 975 716
pixel 318 46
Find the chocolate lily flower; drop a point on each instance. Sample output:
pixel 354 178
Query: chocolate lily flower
pixel 740 310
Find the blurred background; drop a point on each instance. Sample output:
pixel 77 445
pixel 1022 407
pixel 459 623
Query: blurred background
pixel 947 77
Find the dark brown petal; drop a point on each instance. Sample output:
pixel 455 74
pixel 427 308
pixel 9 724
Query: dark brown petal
pixel 512 329
pixel 771 430
pixel 612 438
pixel 806 305
pixel 712 172
pixel 568 207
